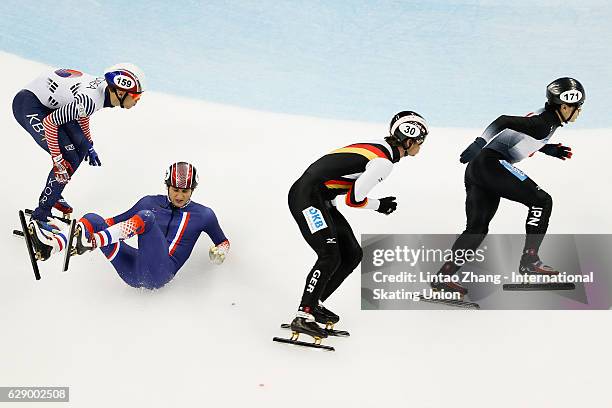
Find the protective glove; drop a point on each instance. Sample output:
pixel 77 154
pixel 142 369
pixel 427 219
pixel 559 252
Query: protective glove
pixel 387 205
pixel 217 253
pixel 62 169
pixel 472 150
pixel 557 150
pixel 92 157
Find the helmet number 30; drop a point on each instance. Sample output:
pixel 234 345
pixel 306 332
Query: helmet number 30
pixel 410 129
pixel 123 81
pixel 572 96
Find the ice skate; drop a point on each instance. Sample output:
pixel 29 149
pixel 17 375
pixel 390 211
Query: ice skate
pixel 62 206
pixel 41 240
pixel 80 242
pixel 322 315
pixel 305 323
pixel 325 316
pixel 533 266
pixel 536 267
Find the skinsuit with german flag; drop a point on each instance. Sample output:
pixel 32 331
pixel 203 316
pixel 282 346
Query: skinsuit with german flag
pixel 351 171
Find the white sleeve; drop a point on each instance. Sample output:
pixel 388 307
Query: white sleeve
pixel 376 171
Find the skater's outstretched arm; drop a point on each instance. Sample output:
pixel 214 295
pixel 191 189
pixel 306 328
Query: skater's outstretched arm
pixel 219 251
pixel 375 172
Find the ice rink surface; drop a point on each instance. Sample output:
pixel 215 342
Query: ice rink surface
pixel 205 338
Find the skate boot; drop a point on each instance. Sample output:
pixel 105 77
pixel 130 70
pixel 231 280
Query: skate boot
pixel 41 240
pixel 44 219
pixel 62 206
pixel 325 316
pixel 80 243
pixel 305 323
pixel 532 265
pixel 536 268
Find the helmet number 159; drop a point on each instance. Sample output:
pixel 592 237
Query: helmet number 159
pixel 124 82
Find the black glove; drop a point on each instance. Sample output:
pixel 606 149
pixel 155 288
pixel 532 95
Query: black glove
pixel 472 150
pixel 557 150
pixel 387 205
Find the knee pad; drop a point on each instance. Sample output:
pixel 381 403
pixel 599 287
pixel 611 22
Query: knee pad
pixel 93 223
pixel 148 218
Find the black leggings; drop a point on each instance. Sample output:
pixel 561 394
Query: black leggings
pixel 328 234
pixel 487 179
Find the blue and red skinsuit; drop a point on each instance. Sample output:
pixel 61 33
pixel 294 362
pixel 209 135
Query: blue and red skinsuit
pixel 169 236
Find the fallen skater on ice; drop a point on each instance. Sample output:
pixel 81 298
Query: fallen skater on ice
pixel 167 227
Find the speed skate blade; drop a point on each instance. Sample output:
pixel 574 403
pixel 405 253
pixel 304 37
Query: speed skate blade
pixel 28 241
pixel 303 344
pixel 68 249
pixel 330 332
pixel 454 303
pixel 538 286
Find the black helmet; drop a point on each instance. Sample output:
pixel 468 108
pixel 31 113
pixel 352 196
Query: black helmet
pixel 565 90
pixel 408 125
pixel 182 175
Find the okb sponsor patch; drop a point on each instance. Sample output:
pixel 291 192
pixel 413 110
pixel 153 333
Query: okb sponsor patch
pixel 314 219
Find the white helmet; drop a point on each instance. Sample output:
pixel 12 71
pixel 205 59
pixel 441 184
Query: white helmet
pixel 125 77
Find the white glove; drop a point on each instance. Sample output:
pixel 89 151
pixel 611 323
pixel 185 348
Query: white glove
pixel 217 253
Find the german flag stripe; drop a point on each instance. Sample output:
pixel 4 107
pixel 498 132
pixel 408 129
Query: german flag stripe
pixel 366 150
pixel 351 202
pixel 378 149
pixel 338 184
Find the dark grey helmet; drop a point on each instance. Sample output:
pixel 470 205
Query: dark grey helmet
pixel 565 90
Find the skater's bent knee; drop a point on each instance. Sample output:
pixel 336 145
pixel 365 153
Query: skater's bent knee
pixel 356 254
pixel 93 222
pixel 331 259
pixel 543 199
pixel 148 218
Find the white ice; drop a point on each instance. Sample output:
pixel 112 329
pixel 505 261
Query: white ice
pixel 206 338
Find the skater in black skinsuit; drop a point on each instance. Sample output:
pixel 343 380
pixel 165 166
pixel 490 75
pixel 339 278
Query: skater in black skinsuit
pixel 490 175
pixel 351 171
